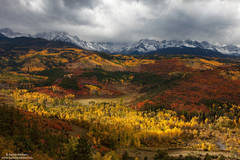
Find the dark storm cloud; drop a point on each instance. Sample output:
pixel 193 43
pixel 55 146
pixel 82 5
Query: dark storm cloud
pixel 121 20
pixel 66 11
pixel 44 14
pixel 215 20
pixel 81 3
pixel 180 24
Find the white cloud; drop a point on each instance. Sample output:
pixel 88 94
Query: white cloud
pixel 33 5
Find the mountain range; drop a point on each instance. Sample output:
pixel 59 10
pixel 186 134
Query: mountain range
pixel 143 46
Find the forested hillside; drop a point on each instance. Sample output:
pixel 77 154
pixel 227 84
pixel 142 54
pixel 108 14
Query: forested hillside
pixel 63 102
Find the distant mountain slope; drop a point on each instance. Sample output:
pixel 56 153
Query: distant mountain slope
pixel 94 46
pixel 147 46
pixel 183 51
pixel 27 43
pixel 144 46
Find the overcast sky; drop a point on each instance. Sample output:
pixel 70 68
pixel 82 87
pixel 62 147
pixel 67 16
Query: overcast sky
pixel 127 20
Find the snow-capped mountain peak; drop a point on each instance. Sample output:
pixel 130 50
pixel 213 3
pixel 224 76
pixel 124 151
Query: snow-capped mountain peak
pixel 55 36
pixel 142 46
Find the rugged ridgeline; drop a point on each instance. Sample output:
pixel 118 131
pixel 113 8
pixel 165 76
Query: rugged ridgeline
pixel 144 46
